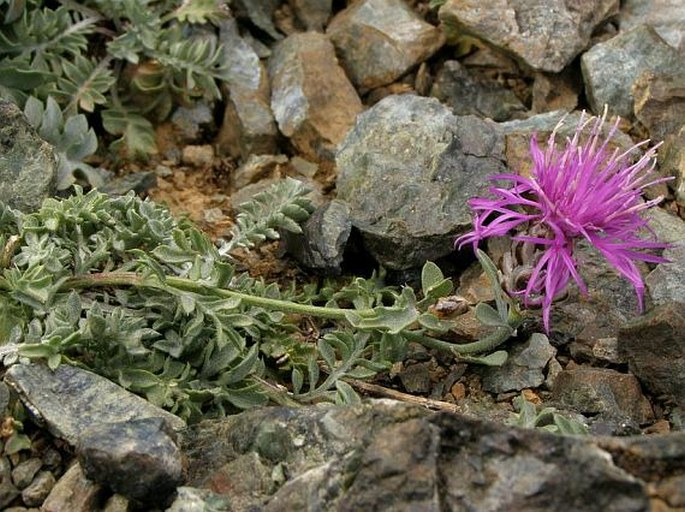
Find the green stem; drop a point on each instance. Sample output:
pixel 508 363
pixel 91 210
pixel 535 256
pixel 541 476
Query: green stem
pixel 180 283
pixel 488 343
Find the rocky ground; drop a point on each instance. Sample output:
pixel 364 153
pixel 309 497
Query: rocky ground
pixel 395 112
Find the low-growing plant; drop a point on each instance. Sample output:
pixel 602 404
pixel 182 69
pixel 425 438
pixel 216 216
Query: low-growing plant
pixel 129 61
pixel 117 285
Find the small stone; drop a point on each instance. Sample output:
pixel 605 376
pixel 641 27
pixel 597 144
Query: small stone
pixel 672 490
pixel 416 378
pixel 8 493
pixel 70 400
pixel 458 391
pixel 136 459
pixel 258 168
pixel 36 493
pixel 5 468
pixel 139 182
pixel 23 474
pixel 660 103
pixel 654 346
pixel 260 13
pixel 321 245
pixel 28 166
pixel 312 14
pixel 610 68
pixel 73 492
pixel 193 123
pixel 190 499
pixel 198 156
pixel 248 126
pixel 465 94
pixel 545 34
pixel 304 167
pixel 312 99
pixel 555 92
pixel 666 283
pixel 4 398
pixel 117 503
pixel 523 368
pixel 380 40
pixel 672 163
pixel 604 392
pixel 474 285
pixel 667 17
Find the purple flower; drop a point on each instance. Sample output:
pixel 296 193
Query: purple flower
pixel 580 191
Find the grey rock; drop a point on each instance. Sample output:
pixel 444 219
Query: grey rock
pixel 28 165
pixel 39 489
pixel 312 14
pixel 4 398
pixel 312 99
pixel 660 103
pixel 24 472
pixel 416 377
pixel 407 169
pixel 137 459
pixel 610 68
pixel 73 492
pixel 257 168
pixel 667 17
pixel 380 40
pixel 139 182
pixel 672 163
pixel 546 35
pixel 465 94
pixel 556 91
pixel 666 283
pixel 524 367
pixel 260 12
pixel 321 245
pixel 383 455
pixel 615 397
pixel 654 345
pixel 248 125
pixel 193 123
pixel 70 400
pixel 190 499
pixel 8 493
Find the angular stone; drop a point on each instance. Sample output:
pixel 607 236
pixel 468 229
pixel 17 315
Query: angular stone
pixel 137 459
pixel 28 166
pixel 556 91
pixel 524 367
pixel 192 123
pixel 546 35
pixel 248 126
pixel 8 493
pixel 672 163
pixel 465 94
pixel 140 182
pixel 431 161
pixel 260 13
pixel 73 492
pixel 258 168
pixel 39 489
pixel 313 102
pixel 190 499
pixel 604 392
pixel 666 283
pixel 380 40
pixel 610 68
pixel 24 472
pixel 312 14
pixel 198 156
pixel 660 103
pixel 70 400
pixel 321 245
pixel 667 17
pixel 383 455
pixel 654 346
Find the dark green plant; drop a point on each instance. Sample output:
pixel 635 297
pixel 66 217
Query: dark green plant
pixel 119 286
pixel 129 60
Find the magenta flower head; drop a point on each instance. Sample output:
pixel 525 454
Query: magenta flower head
pixel 581 191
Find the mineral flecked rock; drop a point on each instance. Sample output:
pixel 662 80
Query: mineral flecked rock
pixel 660 103
pixel 545 34
pixel 248 126
pixel 380 40
pixel 610 68
pixel 312 99
pixel 667 17
pixel 28 166
pixel 407 169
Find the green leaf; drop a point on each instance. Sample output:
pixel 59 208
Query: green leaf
pixel 246 367
pixel 497 358
pixel 487 315
pixel 200 11
pixel 345 394
pixel 137 135
pixel 431 275
pixel 16 443
pixel 297 378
